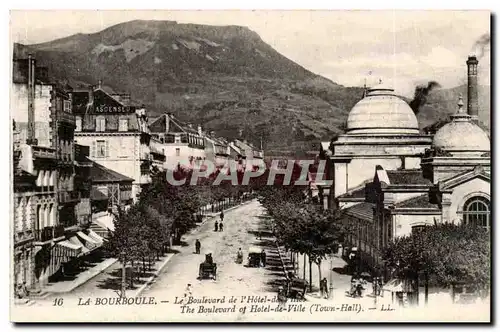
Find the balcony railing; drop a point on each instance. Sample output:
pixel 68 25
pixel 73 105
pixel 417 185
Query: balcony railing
pixel 67 118
pixel 51 232
pixel 44 234
pixel 43 152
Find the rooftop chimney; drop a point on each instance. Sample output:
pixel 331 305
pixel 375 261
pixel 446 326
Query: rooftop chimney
pixel 99 84
pixel 167 123
pixel 31 139
pixel 90 103
pixel 472 94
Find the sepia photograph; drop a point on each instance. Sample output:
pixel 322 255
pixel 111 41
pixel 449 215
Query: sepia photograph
pixel 181 166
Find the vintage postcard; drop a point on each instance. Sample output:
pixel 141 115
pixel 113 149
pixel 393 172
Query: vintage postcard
pixel 250 166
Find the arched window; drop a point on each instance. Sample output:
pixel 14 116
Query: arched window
pixel 477 211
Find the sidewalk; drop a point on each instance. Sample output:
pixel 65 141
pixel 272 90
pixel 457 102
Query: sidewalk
pixel 99 280
pixel 69 285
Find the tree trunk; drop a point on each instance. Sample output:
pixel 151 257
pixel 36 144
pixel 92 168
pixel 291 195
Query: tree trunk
pixel 310 274
pixel 319 271
pixel 132 275
pixel 426 288
pixel 304 274
pixel 417 288
pixel 124 280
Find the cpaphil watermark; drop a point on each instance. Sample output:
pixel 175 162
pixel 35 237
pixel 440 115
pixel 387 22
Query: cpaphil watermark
pixel 237 174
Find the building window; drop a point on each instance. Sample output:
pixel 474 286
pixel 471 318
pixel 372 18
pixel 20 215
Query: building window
pixel 100 123
pixel 78 122
pixel 477 211
pixel 101 149
pixel 67 106
pixel 177 152
pixel 123 126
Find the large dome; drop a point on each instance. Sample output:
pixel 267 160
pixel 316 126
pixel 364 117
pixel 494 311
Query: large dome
pixel 461 135
pixel 381 111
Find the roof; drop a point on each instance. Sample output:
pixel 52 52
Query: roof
pixel 99 173
pixel 355 193
pixel 407 176
pixel 421 201
pixel 382 111
pixel 175 126
pixel 362 211
pixel 461 134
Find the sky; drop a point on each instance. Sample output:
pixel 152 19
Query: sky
pixel 402 48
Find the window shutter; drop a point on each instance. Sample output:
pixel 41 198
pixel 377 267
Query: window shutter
pixel 93 149
pixel 107 148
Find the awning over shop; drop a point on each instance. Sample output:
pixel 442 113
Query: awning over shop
pixel 96 236
pixel 87 238
pixel 106 222
pixel 66 250
pixel 74 240
pixel 394 285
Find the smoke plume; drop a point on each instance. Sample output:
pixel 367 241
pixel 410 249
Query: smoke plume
pixel 481 45
pixel 421 93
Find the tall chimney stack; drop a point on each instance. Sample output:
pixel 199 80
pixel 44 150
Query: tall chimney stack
pixel 472 94
pixel 31 139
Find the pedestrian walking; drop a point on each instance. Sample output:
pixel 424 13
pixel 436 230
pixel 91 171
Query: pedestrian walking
pixel 324 288
pixel 222 215
pixel 263 258
pixel 198 246
pixel 216 226
pixel 221 226
pixel 187 294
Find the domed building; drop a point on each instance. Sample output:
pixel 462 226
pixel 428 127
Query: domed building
pixel 389 180
pixel 381 129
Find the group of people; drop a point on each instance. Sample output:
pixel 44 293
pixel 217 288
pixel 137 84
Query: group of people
pixel 357 286
pixel 219 226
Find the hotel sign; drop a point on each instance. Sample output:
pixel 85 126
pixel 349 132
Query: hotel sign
pixel 113 109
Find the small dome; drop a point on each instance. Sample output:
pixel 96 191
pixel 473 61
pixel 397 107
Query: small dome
pixel 381 111
pixel 461 135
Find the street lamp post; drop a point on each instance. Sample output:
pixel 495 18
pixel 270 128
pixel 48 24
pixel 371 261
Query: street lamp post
pixel 331 277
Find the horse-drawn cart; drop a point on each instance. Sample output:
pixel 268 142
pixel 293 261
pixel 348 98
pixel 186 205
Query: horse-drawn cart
pixel 208 269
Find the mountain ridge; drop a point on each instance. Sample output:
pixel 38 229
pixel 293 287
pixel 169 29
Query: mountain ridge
pixel 225 78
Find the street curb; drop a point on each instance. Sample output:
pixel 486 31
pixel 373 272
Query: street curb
pixel 94 274
pixel 281 259
pixel 153 277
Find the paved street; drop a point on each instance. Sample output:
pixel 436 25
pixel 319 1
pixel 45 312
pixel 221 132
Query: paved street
pixel 234 279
